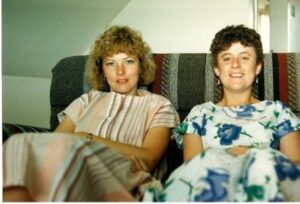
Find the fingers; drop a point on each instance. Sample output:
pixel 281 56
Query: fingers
pixel 138 164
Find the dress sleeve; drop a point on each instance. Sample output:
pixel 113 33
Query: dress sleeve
pixel 192 124
pixel 287 121
pixel 75 109
pixel 165 116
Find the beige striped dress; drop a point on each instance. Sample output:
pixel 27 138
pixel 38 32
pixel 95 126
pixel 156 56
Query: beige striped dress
pixel 61 167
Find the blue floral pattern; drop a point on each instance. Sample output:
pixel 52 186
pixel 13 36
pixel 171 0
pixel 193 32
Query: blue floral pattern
pixel 261 174
pixel 286 169
pixel 216 191
pixel 200 129
pixel 246 111
pixel 284 128
pixel 228 133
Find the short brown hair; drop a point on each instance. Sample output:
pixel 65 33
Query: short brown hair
pixel 232 34
pixel 114 40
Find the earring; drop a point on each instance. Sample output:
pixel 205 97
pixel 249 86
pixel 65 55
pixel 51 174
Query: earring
pixel 218 81
pixel 256 80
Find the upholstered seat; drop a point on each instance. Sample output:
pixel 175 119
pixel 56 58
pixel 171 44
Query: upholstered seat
pixel 186 79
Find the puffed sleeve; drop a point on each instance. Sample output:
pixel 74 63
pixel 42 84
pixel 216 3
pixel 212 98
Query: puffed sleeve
pixel 165 116
pixel 190 125
pixel 75 109
pixel 287 121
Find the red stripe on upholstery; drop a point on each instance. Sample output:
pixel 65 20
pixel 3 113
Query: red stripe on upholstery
pixel 282 71
pixel 156 88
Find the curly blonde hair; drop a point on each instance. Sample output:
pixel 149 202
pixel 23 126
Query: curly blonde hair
pixel 117 39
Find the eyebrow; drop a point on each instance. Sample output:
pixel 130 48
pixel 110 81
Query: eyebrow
pixel 110 58
pixel 241 53
pixel 245 52
pixel 224 54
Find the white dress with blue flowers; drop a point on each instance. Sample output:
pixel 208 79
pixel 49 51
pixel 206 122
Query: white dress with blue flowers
pixel 261 174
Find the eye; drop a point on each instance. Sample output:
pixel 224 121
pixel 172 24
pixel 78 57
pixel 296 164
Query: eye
pixel 245 58
pixel 226 59
pixel 129 61
pixel 110 63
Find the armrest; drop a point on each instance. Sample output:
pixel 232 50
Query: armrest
pixel 10 129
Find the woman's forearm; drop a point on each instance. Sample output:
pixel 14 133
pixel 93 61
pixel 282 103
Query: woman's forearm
pixel 126 149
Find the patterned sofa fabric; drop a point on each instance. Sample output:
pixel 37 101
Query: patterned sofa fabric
pixel 186 79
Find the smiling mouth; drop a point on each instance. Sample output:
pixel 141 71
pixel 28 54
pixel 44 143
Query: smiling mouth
pixel 236 75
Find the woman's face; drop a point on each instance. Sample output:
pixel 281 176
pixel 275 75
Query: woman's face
pixel 121 72
pixel 237 68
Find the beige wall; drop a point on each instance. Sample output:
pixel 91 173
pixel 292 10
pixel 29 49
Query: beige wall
pixel 26 100
pixel 284 28
pixel 38 33
pixel 183 25
pixel 278 25
pixel 294 26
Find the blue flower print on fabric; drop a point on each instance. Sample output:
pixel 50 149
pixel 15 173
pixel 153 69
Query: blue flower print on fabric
pixel 268 103
pixel 275 142
pixel 284 106
pixel 201 130
pixel 286 168
pixel 217 190
pixel 228 133
pixel 246 173
pixel 284 128
pixel 246 111
pixel 253 192
pixel 277 199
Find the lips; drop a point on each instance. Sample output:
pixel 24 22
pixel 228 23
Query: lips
pixel 236 75
pixel 122 81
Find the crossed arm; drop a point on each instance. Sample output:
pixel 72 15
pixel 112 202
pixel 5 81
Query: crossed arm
pixel 289 145
pixel 145 157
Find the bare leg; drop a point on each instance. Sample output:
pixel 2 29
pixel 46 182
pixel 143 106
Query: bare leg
pixel 16 194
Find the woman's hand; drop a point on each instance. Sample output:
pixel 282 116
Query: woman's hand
pixel 239 150
pixel 145 157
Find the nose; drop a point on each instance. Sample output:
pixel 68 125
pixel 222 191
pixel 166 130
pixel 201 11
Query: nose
pixel 120 69
pixel 235 63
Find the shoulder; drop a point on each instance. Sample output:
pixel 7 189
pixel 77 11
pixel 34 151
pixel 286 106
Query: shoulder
pixel 276 106
pixel 203 107
pixel 281 111
pixel 199 110
pixel 156 98
pixel 92 95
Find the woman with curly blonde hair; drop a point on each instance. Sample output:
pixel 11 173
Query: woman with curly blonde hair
pixel 127 40
pixel 109 141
